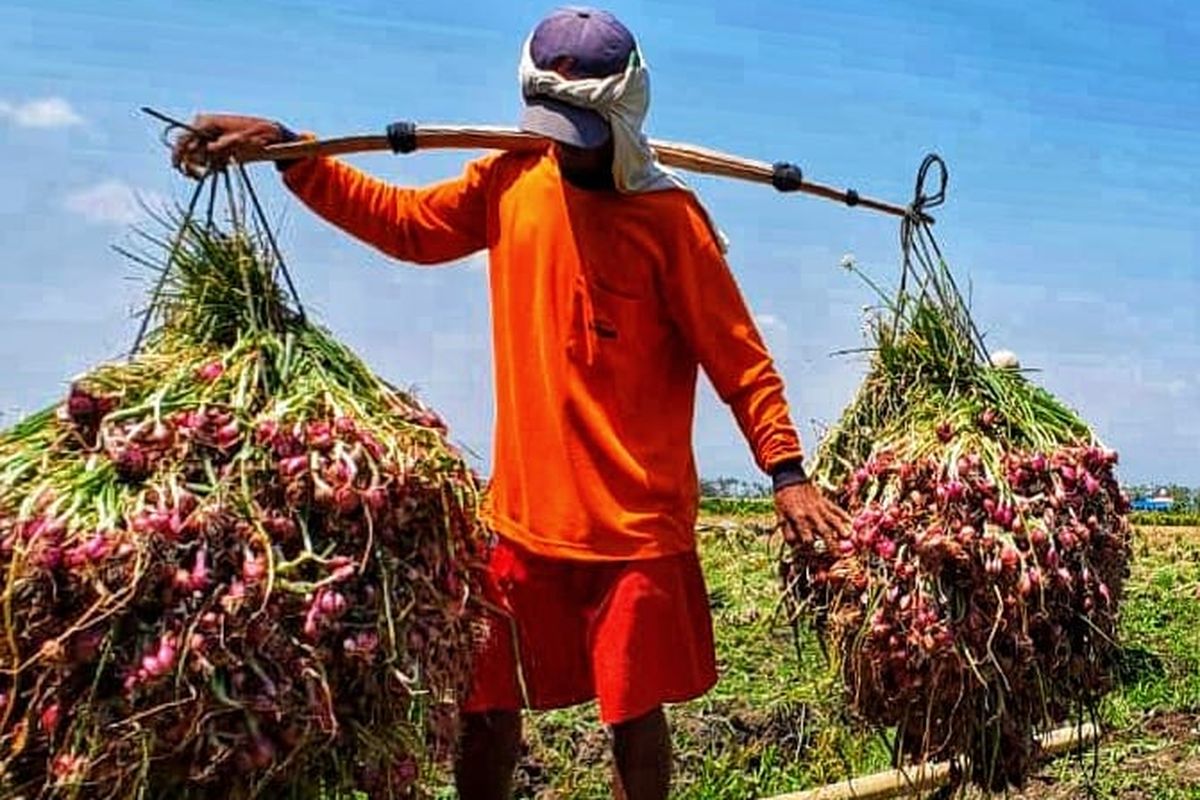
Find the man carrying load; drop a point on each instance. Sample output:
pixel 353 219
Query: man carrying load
pixel 609 290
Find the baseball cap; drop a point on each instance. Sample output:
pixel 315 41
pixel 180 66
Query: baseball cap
pixel 578 42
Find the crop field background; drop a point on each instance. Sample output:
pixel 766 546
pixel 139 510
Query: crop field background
pixel 775 722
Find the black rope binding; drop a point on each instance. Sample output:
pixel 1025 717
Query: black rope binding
pixel 235 218
pixel 262 220
pixel 213 178
pixel 922 201
pixel 786 177
pixel 923 258
pixel 162 275
pixel 402 137
pixel 212 206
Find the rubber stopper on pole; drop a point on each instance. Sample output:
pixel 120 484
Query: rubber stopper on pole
pixel 402 137
pixel 786 177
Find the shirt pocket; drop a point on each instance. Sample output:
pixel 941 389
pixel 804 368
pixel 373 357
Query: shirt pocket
pixel 624 370
pixel 610 328
pixel 622 267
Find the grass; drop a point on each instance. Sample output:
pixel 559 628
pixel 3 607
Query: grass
pixel 736 506
pixel 1186 519
pixel 774 723
pixel 755 506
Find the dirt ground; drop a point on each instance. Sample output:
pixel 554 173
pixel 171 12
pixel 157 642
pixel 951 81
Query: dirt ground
pixel 1160 761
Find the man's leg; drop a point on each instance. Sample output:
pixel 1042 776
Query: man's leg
pixel 642 756
pixel 652 645
pixel 487 756
pixel 544 622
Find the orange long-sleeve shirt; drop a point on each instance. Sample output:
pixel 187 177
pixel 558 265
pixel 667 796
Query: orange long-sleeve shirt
pixel 604 306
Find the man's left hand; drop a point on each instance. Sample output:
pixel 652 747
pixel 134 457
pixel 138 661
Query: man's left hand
pixel 808 516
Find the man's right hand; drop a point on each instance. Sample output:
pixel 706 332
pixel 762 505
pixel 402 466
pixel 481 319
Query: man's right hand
pixel 219 137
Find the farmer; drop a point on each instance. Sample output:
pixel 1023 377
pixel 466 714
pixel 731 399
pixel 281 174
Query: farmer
pixel 609 289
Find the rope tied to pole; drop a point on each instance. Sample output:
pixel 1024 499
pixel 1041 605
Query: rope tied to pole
pixel 922 257
pixel 212 177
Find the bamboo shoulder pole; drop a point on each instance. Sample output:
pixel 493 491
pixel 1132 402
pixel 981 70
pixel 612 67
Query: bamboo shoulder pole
pixel 904 783
pixel 681 156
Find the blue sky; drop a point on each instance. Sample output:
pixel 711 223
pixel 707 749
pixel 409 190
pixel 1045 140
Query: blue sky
pixel 1071 129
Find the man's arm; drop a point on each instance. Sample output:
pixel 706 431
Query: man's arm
pixel 436 224
pixel 430 225
pixel 710 312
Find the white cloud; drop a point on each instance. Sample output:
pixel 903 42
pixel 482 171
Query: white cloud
pixel 45 112
pixel 111 202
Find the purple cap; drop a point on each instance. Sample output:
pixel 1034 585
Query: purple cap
pixel 578 43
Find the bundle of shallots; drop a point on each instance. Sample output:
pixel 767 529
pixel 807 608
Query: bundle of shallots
pixel 239 564
pixel 973 602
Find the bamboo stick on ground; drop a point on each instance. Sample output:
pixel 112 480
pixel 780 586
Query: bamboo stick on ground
pixel 904 783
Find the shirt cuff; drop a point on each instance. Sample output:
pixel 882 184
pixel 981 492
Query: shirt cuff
pixel 788 473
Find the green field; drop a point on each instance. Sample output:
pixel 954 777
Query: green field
pixel 774 723
pixel 756 506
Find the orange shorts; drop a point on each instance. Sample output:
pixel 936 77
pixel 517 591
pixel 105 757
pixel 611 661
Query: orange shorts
pixel 633 635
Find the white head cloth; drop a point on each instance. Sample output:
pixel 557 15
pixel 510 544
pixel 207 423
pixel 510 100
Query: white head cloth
pixel 623 100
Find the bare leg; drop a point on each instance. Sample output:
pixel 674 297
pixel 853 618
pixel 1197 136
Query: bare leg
pixel 642 753
pixel 488 752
